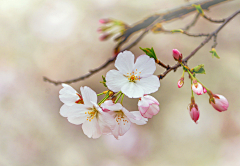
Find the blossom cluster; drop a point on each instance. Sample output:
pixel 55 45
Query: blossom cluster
pixel 135 80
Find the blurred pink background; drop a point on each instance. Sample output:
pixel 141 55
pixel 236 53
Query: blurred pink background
pixel 58 39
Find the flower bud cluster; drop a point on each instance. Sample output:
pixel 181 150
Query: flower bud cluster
pixel 110 27
pixel 135 80
pixel 218 102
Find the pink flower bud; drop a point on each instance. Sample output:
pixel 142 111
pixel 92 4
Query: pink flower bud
pixel 221 103
pixel 204 90
pixel 177 55
pixel 105 21
pixel 194 113
pixel 105 36
pixel 197 88
pixel 180 82
pixel 148 106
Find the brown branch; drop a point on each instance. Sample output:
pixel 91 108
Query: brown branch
pixel 147 24
pixel 212 20
pixel 215 33
pixel 166 16
pixel 91 72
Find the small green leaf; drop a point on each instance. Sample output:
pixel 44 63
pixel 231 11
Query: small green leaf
pixel 199 9
pixel 149 52
pixel 177 30
pixel 214 53
pixel 199 69
pixel 104 81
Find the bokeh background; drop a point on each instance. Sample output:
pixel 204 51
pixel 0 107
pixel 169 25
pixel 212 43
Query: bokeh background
pixel 58 39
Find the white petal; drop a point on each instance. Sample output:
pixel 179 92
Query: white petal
pixel 68 95
pixel 139 120
pixel 115 80
pixel 125 62
pixel 145 65
pixel 149 84
pixel 132 90
pixel 143 102
pixel 67 88
pixel 123 125
pixel 109 105
pixel 106 122
pixel 92 128
pixel 76 109
pixel 88 95
pixel 78 119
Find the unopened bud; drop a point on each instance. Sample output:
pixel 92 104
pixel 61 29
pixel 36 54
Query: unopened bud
pixel 105 21
pixel 180 82
pixel 197 88
pixel 220 102
pixel 193 111
pixel 105 36
pixel 177 55
pixel 204 90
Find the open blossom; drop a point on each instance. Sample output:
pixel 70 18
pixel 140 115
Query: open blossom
pixel 197 88
pixel 221 103
pixel 94 121
pixel 123 117
pixel 133 79
pixel 69 96
pixel 148 106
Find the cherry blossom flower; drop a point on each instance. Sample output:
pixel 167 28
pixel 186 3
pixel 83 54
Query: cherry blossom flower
pixel 221 103
pixel 69 96
pixel 148 106
pixel 94 121
pixel 134 80
pixel 123 117
pixel 197 88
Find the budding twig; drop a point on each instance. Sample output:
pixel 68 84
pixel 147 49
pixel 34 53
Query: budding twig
pixel 214 33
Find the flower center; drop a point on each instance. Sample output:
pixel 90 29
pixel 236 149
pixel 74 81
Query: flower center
pixel 80 100
pixel 132 77
pixel 92 113
pixel 121 117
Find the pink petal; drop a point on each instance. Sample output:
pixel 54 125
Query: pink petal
pixel 140 120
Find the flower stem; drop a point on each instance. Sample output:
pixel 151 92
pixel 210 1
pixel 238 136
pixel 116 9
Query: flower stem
pixel 104 99
pixel 100 94
pixel 118 97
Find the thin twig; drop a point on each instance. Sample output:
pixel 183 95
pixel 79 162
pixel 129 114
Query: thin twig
pixel 192 23
pixel 200 46
pixel 212 20
pixel 91 72
pixel 187 33
pixel 215 42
